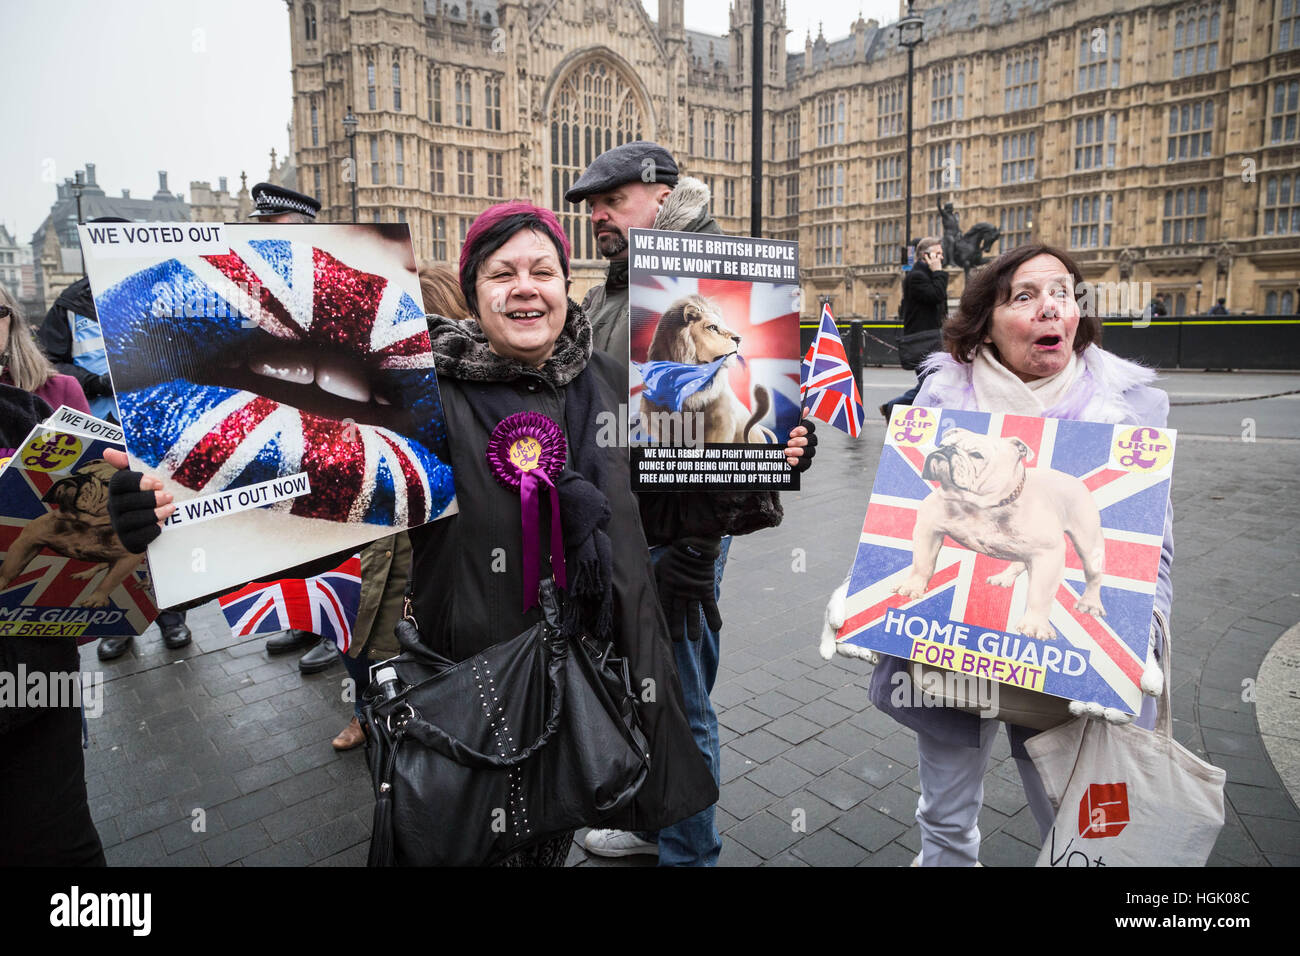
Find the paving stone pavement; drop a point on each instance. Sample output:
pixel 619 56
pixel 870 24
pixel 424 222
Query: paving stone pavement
pixel 218 755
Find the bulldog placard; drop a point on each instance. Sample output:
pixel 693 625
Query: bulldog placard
pixel 1022 550
pixel 63 573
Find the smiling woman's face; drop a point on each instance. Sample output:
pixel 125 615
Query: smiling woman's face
pixel 522 298
pixel 1034 329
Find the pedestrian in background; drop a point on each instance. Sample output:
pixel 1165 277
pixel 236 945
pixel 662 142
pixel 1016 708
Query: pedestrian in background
pixel 23 365
pixel 922 310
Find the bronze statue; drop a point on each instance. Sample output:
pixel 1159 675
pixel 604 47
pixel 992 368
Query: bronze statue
pixel 965 249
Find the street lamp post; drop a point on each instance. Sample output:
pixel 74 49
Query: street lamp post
pixel 350 123
pixel 77 186
pixel 910 34
pixel 1199 286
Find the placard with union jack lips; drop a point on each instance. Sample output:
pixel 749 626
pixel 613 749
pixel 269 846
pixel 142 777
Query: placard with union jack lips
pixel 278 380
pixel 1022 550
pixel 63 573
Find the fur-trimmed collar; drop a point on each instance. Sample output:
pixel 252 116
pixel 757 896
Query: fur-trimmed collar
pixel 460 350
pixel 686 209
pixel 1099 394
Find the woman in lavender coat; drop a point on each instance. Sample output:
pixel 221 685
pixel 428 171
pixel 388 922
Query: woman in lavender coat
pixel 1018 344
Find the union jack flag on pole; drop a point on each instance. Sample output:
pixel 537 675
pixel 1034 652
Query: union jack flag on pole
pixel 829 380
pixel 325 605
pixel 972 614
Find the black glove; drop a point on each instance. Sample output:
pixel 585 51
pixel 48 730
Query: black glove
pixel 685 579
pixel 132 511
pixel 810 449
pixel 100 385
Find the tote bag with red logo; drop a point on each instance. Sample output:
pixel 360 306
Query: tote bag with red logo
pixel 1127 796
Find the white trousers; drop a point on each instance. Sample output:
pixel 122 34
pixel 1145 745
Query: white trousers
pixel 952 792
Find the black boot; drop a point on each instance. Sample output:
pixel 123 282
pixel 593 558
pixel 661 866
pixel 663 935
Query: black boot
pixel 111 648
pixel 320 657
pixel 175 633
pixel 287 641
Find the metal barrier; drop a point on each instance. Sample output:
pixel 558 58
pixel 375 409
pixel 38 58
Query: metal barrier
pixel 1187 342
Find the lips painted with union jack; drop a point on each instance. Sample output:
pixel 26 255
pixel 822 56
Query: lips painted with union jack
pixel 278 358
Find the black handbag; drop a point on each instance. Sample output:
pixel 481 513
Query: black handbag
pixel 528 739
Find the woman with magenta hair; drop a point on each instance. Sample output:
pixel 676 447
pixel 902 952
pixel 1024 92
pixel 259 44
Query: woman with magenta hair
pixel 528 349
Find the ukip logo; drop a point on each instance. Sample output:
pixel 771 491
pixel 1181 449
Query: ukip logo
pixel 50 452
pixel 1103 811
pixel 1142 449
pixel 914 426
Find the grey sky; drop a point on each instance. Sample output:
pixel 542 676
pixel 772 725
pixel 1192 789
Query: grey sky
pixel 200 88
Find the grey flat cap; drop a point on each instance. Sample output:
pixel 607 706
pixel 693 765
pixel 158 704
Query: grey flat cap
pixel 638 162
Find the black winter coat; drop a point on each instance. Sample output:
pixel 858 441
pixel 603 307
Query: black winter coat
pixel 464 601
pixel 56 337
pixel 925 300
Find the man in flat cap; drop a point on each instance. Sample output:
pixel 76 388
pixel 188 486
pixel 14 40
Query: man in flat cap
pixel 277 204
pixel 625 188
pixel 638 185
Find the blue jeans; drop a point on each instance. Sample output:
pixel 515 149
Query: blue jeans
pixel 358 669
pixel 695 841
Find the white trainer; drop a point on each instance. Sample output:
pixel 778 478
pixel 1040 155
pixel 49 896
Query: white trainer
pixel 614 843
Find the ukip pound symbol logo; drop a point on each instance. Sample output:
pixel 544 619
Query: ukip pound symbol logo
pixel 1143 448
pixel 913 426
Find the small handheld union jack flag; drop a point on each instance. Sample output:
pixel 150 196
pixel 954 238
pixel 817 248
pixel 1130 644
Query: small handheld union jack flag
pixel 325 605
pixel 827 378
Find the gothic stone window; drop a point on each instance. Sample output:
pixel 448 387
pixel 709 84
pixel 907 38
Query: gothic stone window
pixel 889 234
pixel 309 21
pixel 1020 84
pixel 437 176
pixel 1185 215
pixel 947 93
pixel 1019 151
pixel 1090 219
pixel 889 177
pixel 492 101
pixel 1094 141
pixel 889 110
pixel 1286 107
pixel 945 167
pixel 1191 128
pixel 1017 225
pixel 1282 205
pixel 593 109
pixel 1098 50
pixel 1196 40
pixel 1288 25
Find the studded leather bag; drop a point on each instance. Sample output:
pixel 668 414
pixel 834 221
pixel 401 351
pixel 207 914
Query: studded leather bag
pixel 526 740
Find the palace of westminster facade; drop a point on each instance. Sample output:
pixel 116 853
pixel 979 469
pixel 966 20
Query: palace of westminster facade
pixel 1157 142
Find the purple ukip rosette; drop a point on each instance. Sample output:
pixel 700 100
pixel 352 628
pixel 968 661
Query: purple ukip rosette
pixel 527 450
